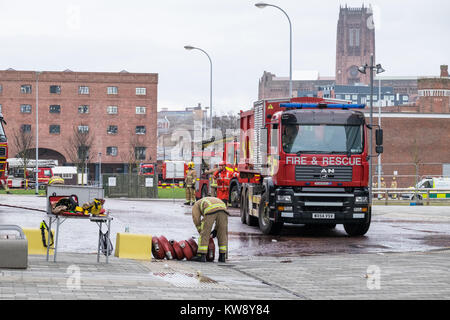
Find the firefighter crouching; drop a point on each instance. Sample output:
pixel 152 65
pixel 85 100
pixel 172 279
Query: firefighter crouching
pixel 189 182
pixel 205 213
pixel 213 180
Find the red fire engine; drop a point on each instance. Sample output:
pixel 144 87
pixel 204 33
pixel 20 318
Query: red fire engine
pixel 312 155
pixel 228 180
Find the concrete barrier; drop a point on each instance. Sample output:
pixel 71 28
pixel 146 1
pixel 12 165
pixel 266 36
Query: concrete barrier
pixel 13 249
pixel 133 246
pixel 35 245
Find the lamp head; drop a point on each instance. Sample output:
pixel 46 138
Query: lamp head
pixel 261 5
pixel 189 47
pixel 362 69
pixel 379 68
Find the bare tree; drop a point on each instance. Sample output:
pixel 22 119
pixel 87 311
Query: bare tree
pixel 133 156
pixel 78 148
pixel 23 142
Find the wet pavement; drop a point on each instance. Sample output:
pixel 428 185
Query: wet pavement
pixel 393 229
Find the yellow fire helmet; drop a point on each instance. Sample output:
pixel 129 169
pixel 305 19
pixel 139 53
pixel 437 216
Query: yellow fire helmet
pixel 191 165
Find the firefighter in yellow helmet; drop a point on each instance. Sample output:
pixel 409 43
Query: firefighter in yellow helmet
pixel 394 186
pixel 189 182
pixel 205 213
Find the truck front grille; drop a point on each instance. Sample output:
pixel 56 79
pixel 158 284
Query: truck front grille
pixel 318 173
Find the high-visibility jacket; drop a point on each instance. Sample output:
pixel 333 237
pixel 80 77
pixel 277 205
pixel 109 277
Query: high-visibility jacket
pixel 206 206
pixel 191 175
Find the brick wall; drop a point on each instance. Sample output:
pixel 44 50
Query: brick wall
pixel 97 119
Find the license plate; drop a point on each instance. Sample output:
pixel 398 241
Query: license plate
pixel 323 215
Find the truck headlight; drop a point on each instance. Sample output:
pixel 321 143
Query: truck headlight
pixel 284 198
pixel 360 199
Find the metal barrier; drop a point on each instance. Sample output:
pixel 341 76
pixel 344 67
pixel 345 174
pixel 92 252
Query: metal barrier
pixel 410 196
pixel 14 251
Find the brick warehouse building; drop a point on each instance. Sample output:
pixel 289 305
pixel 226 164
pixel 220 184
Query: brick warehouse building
pixel 118 110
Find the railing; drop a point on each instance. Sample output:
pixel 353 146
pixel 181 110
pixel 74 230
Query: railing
pixel 411 196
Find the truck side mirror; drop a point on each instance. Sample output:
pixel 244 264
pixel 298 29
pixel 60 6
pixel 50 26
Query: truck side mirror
pixel 379 137
pixel 379 149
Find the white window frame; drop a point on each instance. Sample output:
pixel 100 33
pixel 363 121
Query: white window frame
pixel 83 90
pixel 141 91
pixel 83 129
pixel 112 90
pixel 140 131
pixel 141 110
pixel 112 110
pixel 114 151
pixel 24 87
pixel 83 109
pixel 25 108
pixel 111 132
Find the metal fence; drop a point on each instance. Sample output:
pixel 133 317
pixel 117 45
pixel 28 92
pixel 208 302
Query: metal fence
pixel 407 174
pixel 412 196
pixel 130 185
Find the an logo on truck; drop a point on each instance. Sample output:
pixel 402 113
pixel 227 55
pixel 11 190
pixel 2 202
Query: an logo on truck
pixel 325 173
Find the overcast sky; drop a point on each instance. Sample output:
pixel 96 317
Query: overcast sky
pixel 412 39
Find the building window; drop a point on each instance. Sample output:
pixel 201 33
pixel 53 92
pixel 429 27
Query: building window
pixel 140 110
pixel 83 90
pixel 112 90
pixel 55 129
pixel 111 110
pixel 1 88
pixel 112 129
pixel 55 108
pixel 140 153
pixel 55 89
pixel 354 97
pixel 83 129
pixel 83 109
pixel 0 108
pixel 25 128
pixel 25 88
pixel 141 91
pixel 25 108
pixel 111 151
pixel 83 153
pixel 140 129
pixel 347 97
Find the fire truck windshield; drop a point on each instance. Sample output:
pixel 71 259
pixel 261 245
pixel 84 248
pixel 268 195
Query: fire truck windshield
pixel 322 138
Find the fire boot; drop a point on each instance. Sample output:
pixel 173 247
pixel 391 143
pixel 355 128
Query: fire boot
pixel 222 257
pixel 199 258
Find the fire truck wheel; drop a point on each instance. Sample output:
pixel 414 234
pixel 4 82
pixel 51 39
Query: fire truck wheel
pixel 234 196
pixel 249 219
pixel 357 229
pixel 244 208
pixel 266 225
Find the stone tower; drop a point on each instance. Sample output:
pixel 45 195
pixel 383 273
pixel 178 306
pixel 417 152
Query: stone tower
pixel 355 43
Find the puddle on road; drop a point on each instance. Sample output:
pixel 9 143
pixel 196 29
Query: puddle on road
pixel 187 280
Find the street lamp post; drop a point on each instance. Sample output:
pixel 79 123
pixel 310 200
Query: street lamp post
pixel 210 84
pixel 100 169
pixel 262 5
pixel 36 184
pixel 378 69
